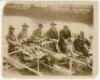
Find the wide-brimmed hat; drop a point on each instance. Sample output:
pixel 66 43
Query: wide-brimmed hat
pixel 52 23
pixel 11 27
pixel 24 25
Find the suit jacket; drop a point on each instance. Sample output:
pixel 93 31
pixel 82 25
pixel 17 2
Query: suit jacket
pixel 52 34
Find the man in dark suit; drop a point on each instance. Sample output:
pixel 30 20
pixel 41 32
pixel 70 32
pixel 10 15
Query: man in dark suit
pixel 79 44
pixel 23 35
pixel 37 33
pixel 64 35
pixel 36 36
pixel 11 39
pixel 52 35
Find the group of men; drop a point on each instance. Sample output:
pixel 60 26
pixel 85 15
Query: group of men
pixel 63 38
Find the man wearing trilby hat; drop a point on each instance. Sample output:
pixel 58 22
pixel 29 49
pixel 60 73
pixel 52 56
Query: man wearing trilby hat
pixel 36 35
pixel 64 35
pixel 22 36
pixel 52 34
pixel 11 39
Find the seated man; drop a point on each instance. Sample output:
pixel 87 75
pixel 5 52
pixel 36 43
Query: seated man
pixel 64 35
pixel 37 35
pixel 23 35
pixel 52 35
pixel 11 39
pixel 79 44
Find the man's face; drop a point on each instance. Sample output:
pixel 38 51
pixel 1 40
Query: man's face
pixel 40 27
pixel 24 28
pixel 53 27
pixel 82 35
pixel 11 31
pixel 65 27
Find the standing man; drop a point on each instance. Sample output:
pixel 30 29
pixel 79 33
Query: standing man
pixel 11 39
pixel 64 35
pixel 52 35
pixel 22 36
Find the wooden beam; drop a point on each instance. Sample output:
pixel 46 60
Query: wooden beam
pixel 73 59
pixel 24 66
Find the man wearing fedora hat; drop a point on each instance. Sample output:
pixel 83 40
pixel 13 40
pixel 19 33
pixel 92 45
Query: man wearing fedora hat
pixel 22 36
pixel 11 39
pixel 52 32
pixel 64 35
pixel 37 33
pixel 51 35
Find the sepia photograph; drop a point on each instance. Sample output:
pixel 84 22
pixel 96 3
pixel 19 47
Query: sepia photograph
pixel 49 38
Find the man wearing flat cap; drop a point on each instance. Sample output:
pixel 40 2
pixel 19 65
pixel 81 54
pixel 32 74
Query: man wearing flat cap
pixel 11 39
pixel 51 35
pixel 64 35
pixel 22 36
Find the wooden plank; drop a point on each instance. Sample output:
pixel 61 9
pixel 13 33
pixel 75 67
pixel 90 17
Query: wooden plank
pixel 15 52
pixel 24 66
pixel 59 69
pixel 73 59
pixel 53 53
